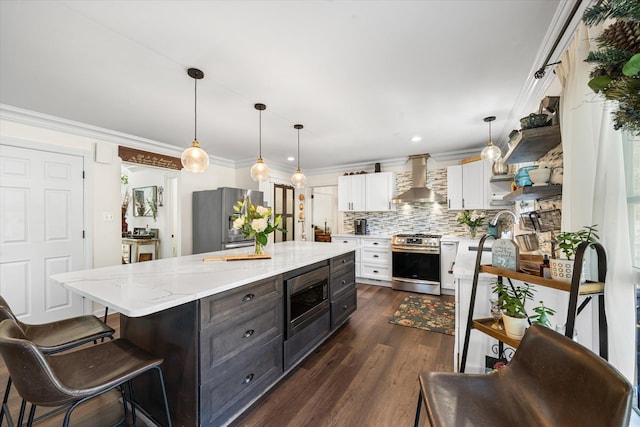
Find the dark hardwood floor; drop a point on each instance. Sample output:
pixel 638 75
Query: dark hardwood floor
pixel 365 375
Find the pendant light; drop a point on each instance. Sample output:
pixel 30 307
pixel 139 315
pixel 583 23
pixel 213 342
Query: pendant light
pixel 195 159
pixel 260 171
pixel 298 179
pixel 490 152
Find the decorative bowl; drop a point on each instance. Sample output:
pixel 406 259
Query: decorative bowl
pixel 533 121
pixel 540 176
pixel 522 176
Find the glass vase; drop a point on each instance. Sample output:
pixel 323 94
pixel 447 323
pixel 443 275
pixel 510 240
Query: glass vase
pixel 259 248
pixel 473 231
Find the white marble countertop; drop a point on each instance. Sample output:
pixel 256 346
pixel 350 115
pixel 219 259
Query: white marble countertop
pixel 364 236
pixel 143 288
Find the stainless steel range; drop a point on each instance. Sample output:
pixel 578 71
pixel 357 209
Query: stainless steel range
pixel 416 263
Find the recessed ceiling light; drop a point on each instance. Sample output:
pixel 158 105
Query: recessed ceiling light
pixel 291 158
pixel 416 138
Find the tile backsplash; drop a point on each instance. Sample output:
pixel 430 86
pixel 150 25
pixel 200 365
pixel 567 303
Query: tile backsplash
pixel 431 218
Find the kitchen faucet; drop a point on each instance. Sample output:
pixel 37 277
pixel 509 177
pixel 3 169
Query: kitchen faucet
pixel 494 221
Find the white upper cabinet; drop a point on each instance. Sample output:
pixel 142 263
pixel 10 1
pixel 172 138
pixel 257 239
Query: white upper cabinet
pixel 468 186
pixel 366 192
pixel 454 187
pixel 351 192
pixel 379 191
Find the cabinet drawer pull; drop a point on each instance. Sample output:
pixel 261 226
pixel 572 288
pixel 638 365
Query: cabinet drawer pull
pixel 344 282
pixel 248 333
pixel 375 271
pixel 344 307
pixel 343 261
pixel 345 241
pixel 375 243
pixel 248 379
pixel 248 297
pixel 376 256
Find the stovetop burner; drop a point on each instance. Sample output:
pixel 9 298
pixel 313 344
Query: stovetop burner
pixel 419 235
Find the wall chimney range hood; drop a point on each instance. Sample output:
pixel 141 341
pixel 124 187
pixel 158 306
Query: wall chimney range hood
pixel 419 192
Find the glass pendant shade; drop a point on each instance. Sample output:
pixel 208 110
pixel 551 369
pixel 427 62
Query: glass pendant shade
pixel 260 171
pixel 298 179
pixel 491 152
pixel 195 159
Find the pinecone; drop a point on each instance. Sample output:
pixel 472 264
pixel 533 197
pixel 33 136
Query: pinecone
pixel 624 35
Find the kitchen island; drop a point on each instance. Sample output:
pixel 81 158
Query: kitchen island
pixel 228 331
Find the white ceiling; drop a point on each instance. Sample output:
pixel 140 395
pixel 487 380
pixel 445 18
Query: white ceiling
pixel 362 76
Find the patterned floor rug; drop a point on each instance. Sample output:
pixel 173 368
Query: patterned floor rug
pixel 424 313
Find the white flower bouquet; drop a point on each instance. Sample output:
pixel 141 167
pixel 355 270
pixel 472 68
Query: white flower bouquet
pixel 254 221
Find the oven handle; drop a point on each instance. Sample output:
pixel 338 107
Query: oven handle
pixel 415 250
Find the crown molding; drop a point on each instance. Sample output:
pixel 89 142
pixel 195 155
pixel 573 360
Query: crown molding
pixel 58 124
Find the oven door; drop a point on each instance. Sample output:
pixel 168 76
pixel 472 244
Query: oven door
pixel 416 270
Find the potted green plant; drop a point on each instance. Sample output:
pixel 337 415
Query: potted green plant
pixel 512 301
pixel 568 242
pixel 514 314
pixel 542 315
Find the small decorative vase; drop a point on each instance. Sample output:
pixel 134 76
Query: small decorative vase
pixel 259 248
pixel 473 231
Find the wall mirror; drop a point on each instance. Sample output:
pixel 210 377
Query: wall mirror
pixel 145 202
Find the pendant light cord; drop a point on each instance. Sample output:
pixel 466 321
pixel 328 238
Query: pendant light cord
pixel 195 110
pixel 490 132
pixel 260 134
pixel 298 149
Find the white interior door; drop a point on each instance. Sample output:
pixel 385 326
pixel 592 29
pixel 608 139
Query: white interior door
pixel 41 231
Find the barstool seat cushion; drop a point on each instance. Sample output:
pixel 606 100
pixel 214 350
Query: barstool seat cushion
pixel 63 334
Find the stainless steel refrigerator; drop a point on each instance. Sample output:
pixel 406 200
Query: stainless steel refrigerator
pixel 213 218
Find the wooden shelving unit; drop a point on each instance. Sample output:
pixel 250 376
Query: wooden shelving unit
pixel 502 178
pixel 574 288
pixel 484 325
pixel 531 144
pixel 530 192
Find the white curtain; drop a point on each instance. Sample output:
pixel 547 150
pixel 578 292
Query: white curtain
pixel 594 190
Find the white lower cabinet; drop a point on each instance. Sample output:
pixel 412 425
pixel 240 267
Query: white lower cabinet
pixel 373 259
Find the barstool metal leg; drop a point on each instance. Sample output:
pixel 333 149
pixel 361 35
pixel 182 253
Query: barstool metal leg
pixel 164 395
pixel 416 423
pixel 32 414
pixel 6 398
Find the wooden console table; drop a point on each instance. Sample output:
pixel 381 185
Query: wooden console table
pixel 136 243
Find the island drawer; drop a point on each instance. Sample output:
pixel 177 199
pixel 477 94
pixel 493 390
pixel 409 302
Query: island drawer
pixel 227 388
pixel 227 339
pixel 343 307
pixel 342 281
pixel 343 262
pixel 227 305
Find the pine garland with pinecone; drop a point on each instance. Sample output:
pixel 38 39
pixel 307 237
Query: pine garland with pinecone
pixel 616 72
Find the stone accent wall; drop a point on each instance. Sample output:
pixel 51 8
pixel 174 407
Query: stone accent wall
pixel 430 218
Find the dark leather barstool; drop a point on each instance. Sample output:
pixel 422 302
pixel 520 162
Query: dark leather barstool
pixel 56 336
pixel 551 381
pixel 74 377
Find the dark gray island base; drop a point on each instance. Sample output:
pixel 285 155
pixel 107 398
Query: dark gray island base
pixel 223 352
